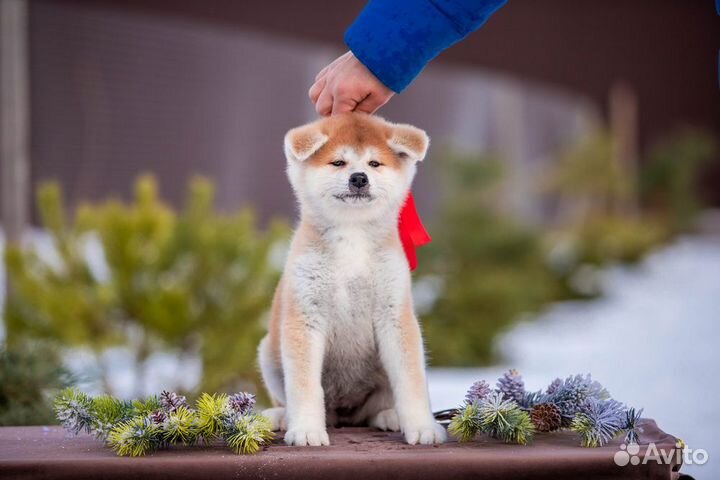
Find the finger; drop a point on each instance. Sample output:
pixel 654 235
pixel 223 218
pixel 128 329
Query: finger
pixel 327 67
pixel 342 102
pixel 371 103
pixel 324 104
pixel 322 72
pixel 316 89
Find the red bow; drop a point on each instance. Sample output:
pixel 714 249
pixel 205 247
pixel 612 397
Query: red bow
pixel 412 232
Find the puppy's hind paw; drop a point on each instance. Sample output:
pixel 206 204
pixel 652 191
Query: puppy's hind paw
pixel 425 434
pixel 386 420
pixel 277 418
pixel 307 437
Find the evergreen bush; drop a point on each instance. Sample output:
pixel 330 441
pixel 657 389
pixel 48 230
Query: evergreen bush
pixel 195 281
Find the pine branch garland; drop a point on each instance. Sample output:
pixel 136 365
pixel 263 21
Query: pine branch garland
pixel 181 426
pixel 493 416
pixel 503 419
pixel 158 416
pixel 513 415
pixel 554 386
pixel 570 395
pixel 139 427
pixel 248 434
pixel 74 411
pixel 477 391
pixel 171 401
pixel 147 406
pixel 511 385
pixel 135 437
pixel 466 424
pixel 108 412
pixel 598 422
pixel 530 399
pixel 242 402
pixel 212 411
pixel 632 418
pixel 546 417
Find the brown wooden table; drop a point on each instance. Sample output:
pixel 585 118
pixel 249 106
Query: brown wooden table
pixel 355 453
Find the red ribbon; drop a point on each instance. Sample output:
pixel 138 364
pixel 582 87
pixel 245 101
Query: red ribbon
pixel 412 232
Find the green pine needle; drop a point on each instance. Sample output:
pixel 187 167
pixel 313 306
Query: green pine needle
pixel 498 418
pixel 181 426
pixel 247 434
pixel 504 419
pixel 522 429
pixel 599 422
pixel 591 433
pixel 147 406
pixel 212 412
pixel 465 425
pixel 109 411
pixel 584 425
pixel 135 437
pixel 74 409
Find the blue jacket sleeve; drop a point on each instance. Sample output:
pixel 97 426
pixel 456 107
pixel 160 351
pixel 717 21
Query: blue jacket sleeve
pixel 395 39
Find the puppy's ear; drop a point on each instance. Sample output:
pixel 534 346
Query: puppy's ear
pixel 409 142
pixel 302 142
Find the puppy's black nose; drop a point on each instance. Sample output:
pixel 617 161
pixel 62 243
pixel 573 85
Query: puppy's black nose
pixel 359 182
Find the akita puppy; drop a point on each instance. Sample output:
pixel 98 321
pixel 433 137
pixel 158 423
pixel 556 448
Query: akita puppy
pixel 344 345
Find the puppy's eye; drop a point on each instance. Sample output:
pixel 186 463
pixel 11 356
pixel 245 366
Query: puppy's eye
pixel 338 163
pixel 374 163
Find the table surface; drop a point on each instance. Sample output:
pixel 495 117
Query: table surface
pixel 355 453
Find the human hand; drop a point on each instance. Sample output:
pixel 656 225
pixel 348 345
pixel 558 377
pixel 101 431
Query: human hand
pixel 346 85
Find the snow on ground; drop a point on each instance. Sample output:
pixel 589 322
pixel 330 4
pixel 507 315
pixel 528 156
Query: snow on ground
pixel 652 340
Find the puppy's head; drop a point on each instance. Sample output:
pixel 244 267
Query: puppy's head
pixel 353 167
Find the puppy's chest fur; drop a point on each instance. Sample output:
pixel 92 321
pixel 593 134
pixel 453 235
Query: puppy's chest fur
pixel 350 286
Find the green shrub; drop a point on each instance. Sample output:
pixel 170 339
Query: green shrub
pixel 491 268
pixel 30 375
pixel 615 239
pixel 669 178
pixel 196 282
pixel 601 217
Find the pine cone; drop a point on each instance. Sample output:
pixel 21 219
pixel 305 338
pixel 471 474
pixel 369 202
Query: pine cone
pixel 171 401
pixel 158 416
pixel 477 391
pixel 511 385
pixel 546 417
pixel 554 386
pixel 242 402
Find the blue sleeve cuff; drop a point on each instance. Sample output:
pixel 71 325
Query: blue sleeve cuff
pixel 395 39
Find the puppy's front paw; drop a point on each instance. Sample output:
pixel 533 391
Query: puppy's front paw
pixel 425 434
pixel 386 420
pixel 301 437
